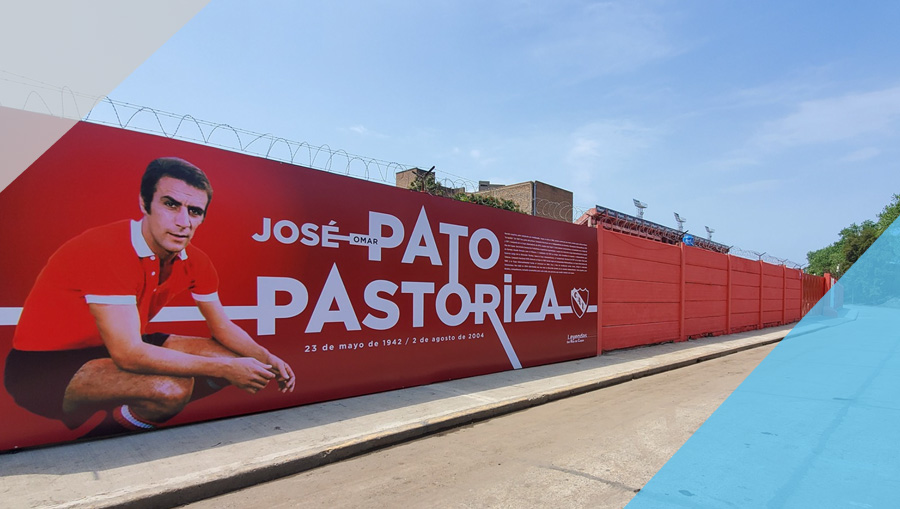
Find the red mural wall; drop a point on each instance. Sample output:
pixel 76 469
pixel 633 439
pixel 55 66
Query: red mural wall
pixel 359 287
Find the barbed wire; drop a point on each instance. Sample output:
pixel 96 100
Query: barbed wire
pixel 556 210
pixel 106 111
pixel 268 146
pixel 756 255
pixel 30 84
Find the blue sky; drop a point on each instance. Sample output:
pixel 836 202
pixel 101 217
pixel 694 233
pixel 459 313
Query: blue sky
pixel 775 123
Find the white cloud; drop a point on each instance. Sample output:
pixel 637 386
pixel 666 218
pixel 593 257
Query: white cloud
pixel 754 187
pixel 862 154
pixel 595 38
pixel 481 158
pixel 573 160
pixel 606 145
pixel 601 151
pixel 364 131
pixel 731 164
pixel 835 119
pixel 799 84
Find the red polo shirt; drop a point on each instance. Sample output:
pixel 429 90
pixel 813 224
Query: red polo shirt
pixel 109 264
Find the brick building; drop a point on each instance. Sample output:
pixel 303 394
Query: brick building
pixel 534 198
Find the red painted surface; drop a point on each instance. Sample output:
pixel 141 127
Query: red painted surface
pixel 359 286
pixel 653 292
pixel 534 300
pixel 813 288
pixel 641 291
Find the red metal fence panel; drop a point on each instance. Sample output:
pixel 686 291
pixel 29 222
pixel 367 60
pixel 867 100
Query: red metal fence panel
pixel 706 293
pixel 651 292
pixel 640 291
pixel 813 289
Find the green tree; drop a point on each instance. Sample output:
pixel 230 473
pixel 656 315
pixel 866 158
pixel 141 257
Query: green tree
pixel 490 201
pixel 875 279
pixel 828 259
pixel 427 184
pixel 857 239
pixel 890 213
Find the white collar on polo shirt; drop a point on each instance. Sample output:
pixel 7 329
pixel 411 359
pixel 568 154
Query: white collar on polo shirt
pixel 140 244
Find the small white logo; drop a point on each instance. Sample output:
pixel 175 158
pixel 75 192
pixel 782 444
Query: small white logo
pixel 579 300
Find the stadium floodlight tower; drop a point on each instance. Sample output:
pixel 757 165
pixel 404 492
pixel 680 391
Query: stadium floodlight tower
pixel 709 232
pixel 680 220
pixel 640 206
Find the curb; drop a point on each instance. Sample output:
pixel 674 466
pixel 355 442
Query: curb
pixel 196 489
pixel 852 315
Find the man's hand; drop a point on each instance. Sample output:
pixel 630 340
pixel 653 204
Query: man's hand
pixel 248 374
pixel 283 373
pixel 238 341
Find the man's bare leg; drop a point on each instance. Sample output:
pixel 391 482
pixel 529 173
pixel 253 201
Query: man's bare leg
pixel 101 385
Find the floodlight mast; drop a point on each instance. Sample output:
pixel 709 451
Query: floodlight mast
pixel 640 206
pixel 680 220
pixel 709 232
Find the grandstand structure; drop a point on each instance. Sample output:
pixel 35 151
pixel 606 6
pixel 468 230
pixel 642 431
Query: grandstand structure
pixel 613 220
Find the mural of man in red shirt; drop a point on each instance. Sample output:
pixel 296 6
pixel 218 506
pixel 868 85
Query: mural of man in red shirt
pixel 80 344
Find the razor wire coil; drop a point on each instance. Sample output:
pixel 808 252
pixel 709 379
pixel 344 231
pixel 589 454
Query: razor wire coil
pixel 107 111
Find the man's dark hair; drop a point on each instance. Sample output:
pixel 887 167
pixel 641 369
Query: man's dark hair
pixel 175 168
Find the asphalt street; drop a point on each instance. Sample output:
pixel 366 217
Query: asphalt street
pixel 594 450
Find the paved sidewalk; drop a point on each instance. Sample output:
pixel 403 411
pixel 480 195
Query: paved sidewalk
pixel 179 465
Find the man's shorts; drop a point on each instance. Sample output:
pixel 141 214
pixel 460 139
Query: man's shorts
pixel 37 380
